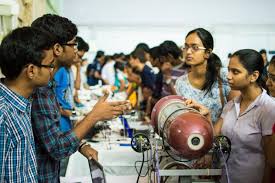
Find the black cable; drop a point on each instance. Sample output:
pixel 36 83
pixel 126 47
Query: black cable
pixel 140 167
pixel 137 170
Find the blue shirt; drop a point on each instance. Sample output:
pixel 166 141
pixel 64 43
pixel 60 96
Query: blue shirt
pixel 64 95
pixel 17 149
pixel 211 100
pixel 92 68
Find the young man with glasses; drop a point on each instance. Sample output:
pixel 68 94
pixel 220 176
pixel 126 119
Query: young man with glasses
pixel 27 62
pixel 82 48
pixel 52 144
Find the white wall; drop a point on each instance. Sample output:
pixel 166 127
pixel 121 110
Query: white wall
pixel 116 26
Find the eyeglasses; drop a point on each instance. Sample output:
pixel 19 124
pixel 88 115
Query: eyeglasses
pixel 50 66
pixel 193 47
pixel 271 77
pixel 74 45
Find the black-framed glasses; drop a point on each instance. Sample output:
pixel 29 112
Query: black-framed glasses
pixel 74 45
pixel 193 47
pixel 271 77
pixel 50 66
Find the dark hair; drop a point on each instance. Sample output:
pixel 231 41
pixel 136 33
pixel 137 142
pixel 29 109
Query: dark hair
pixel 229 55
pixel 143 46
pixel 251 61
pixel 81 44
pixel 99 54
pixel 115 56
pixel 170 47
pixel 217 60
pixel 139 54
pixel 119 65
pixel 212 72
pixel 60 27
pixel 262 51
pixel 155 52
pixel 21 47
pixel 272 61
pixel 108 58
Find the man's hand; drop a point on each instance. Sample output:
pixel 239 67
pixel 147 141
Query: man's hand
pixel 89 152
pixel 104 110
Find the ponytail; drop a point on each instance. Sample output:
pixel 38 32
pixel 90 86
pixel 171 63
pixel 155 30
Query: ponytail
pixel 212 71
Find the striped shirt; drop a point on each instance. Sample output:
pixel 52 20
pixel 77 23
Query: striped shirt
pixel 17 148
pixel 51 143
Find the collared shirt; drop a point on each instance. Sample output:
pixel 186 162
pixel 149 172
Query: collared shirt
pixel 17 149
pixel 51 143
pixel 246 130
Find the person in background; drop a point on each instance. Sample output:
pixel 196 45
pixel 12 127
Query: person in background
pixel 270 83
pixel 82 48
pixel 120 77
pixel 94 69
pixel 146 79
pixel 264 56
pixel 108 71
pixel 64 87
pixel 27 61
pixel 52 144
pixel 148 60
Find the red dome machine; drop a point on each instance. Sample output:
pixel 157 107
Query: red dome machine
pixel 188 133
pixel 182 136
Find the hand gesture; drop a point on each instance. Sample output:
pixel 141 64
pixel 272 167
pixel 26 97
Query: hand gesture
pixel 104 110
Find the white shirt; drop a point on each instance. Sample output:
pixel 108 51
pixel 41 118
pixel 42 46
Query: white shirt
pixel 108 72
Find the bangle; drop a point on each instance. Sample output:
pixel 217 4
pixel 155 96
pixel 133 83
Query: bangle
pixel 82 144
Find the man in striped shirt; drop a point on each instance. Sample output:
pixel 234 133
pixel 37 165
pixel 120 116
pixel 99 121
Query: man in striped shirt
pixel 52 143
pixel 26 60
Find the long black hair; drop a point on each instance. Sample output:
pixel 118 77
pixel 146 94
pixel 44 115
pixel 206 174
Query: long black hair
pixel 252 61
pixel 212 71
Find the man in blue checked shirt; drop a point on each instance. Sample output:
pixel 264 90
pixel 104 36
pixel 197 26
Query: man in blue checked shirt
pixel 26 60
pixel 53 144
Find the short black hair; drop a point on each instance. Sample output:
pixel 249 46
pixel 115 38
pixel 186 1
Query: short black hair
pixel 262 51
pixel 81 44
pixel 143 46
pixel 99 54
pixel 60 27
pixel 21 47
pixel 140 54
pixel 170 47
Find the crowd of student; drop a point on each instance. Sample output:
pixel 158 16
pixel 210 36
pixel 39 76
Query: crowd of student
pixel 42 67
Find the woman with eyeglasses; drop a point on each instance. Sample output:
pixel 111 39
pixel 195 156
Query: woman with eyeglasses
pixel 205 80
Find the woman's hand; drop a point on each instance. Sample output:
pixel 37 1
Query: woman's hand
pixel 202 109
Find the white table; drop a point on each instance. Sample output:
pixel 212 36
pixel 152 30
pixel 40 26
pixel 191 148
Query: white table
pixel 114 153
